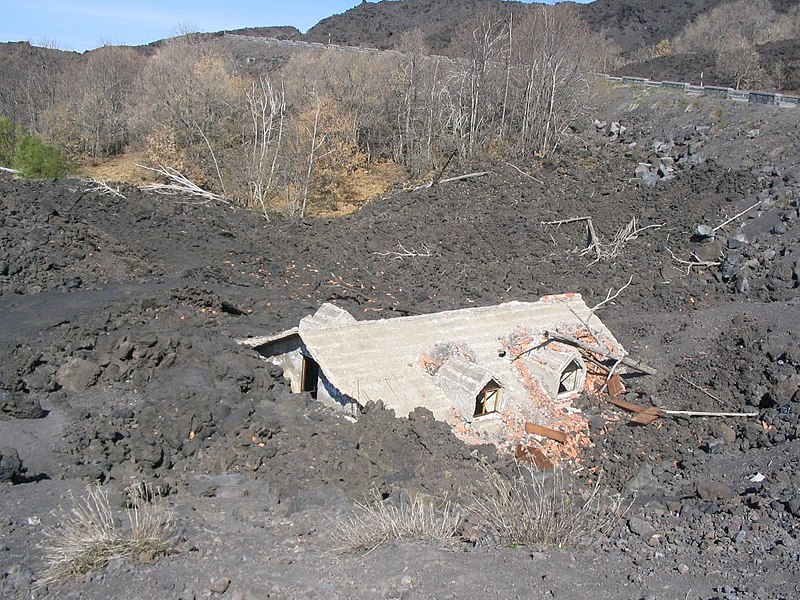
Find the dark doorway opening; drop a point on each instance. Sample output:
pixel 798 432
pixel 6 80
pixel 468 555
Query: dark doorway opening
pixel 310 376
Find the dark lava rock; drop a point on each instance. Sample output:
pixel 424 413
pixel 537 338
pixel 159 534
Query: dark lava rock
pixel 10 465
pixel 17 405
pixel 641 527
pixel 713 490
pixel 78 374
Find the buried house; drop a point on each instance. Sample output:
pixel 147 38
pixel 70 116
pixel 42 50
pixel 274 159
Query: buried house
pixel 493 373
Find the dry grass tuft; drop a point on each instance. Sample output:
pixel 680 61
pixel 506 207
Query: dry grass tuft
pixel 88 536
pixel 538 507
pixel 417 518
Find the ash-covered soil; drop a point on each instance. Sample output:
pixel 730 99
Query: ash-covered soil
pixel 119 364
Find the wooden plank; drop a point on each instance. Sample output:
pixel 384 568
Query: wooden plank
pixel 552 434
pixel 540 460
pixel 647 416
pixel 534 455
pixel 615 387
pixel 626 405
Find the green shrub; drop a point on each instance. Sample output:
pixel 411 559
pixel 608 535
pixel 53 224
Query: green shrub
pixel 34 158
pixel 9 135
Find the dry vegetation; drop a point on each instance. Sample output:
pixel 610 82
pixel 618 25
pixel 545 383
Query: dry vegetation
pixel 534 507
pixel 731 33
pixel 538 507
pixel 415 518
pixel 304 135
pixel 299 138
pixel 88 536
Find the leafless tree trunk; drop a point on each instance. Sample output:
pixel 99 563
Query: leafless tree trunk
pixel 267 109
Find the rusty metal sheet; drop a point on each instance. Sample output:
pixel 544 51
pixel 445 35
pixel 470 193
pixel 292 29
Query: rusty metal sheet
pixel 552 434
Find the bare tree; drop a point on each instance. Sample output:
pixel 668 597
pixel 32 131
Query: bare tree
pixel 484 43
pixel 91 116
pixel 267 110
pixel 556 56
pixel 194 102
pixel 731 33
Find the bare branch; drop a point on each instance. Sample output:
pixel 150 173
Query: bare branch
pixel 405 253
pixel 736 216
pixel 693 263
pixel 450 179
pixel 179 184
pixel 702 389
pixel 605 250
pixel 625 360
pixel 99 186
pixel 609 297
pixel 213 157
pixel 528 175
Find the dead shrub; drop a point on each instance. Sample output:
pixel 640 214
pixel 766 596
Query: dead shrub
pixel 415 518
pixel 539 507
pixel 88 536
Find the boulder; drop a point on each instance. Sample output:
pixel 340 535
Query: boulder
pixel 714 490
pixel 649 179
pixel 19 405
pixel 10 465
pixel 78 374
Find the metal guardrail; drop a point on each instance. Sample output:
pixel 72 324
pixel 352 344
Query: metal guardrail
pixel 751 96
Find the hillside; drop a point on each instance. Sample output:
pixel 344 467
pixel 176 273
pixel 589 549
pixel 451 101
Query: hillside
pixel 381 24
pixel 631 24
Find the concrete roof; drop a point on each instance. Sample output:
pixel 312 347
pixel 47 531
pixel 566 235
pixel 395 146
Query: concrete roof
pixel 394 360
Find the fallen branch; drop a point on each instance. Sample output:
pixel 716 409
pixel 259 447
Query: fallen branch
pixel 528 175
pixel 625 360
pixel 736 216
pixel 593 242
pixel 405 253
pixel 180 184
pixel 691 264
pixel 101 187
pixel 451 179
pixel 605 250
pixel 609 297
pixel 705 391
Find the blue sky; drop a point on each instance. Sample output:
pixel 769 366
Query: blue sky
pixel 84 24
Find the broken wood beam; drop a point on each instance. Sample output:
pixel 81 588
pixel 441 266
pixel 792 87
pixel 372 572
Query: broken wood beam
pixel 551 434
pixel 646 416
pixel 534 455
pixel 625 360
pixel 615 386
pixel 629 406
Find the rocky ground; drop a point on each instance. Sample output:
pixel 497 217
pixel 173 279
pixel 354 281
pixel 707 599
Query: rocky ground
pixel 119 365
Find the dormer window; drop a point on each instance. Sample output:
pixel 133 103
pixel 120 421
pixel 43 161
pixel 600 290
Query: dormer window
pixel 488 400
